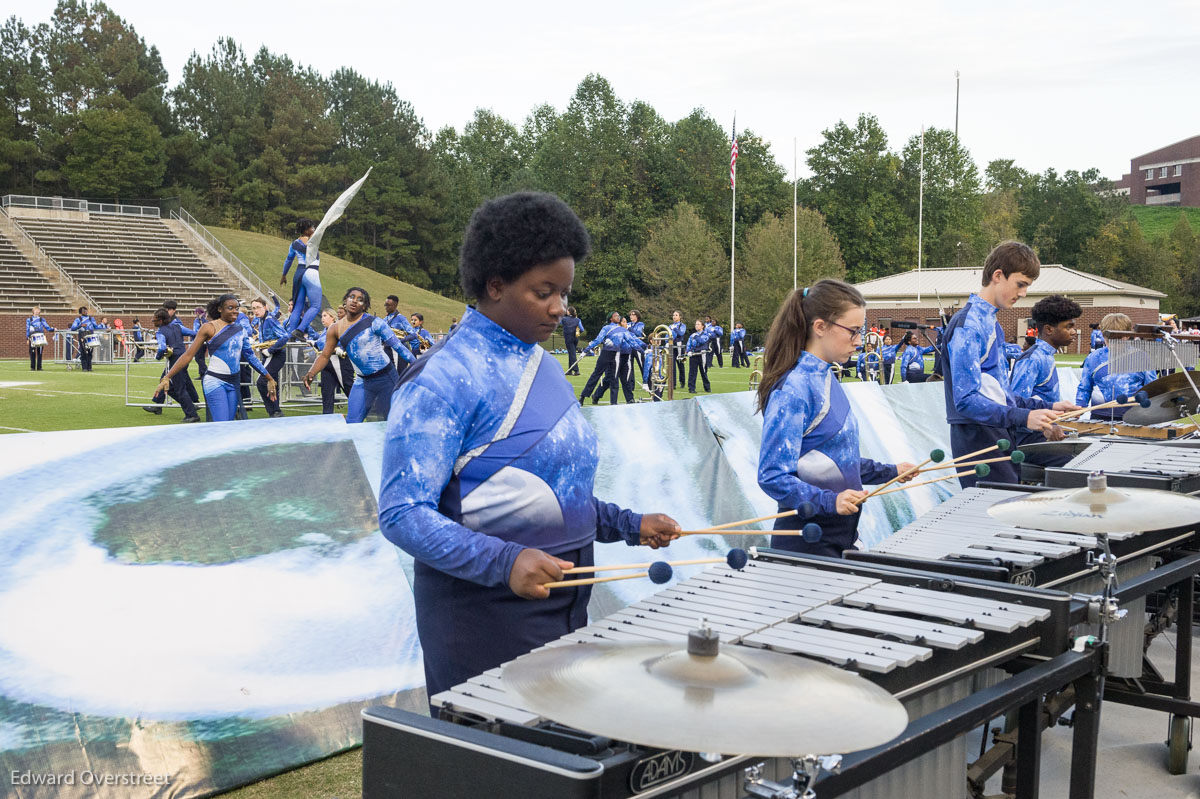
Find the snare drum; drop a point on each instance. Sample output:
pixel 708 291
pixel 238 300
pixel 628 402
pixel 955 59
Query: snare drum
pixel 91 341
pixel 37 340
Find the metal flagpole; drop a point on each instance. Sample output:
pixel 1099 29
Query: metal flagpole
pixel 732 216
pixel 920 212
pixel 795 238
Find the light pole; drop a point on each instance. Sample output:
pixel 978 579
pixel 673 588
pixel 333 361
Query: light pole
pixel 956 82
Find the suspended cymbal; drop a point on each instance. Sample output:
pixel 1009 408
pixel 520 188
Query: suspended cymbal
pixel 1098 508
pixel 1164 407
pixel 740 701
pixel 1172 382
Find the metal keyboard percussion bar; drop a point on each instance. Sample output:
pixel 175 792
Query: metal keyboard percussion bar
pixel 960 532
pixel 921 636
pixel 1132 465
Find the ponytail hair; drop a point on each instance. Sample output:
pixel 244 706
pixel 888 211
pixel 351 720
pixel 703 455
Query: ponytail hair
pixel 788 336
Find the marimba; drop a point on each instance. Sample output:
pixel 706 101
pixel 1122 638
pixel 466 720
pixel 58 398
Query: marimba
pixel 927 639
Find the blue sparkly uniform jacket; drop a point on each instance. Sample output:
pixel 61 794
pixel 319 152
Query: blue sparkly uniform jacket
pixel 1034 374
pixel 737 335
pixel 605 335
pixel 810 450
pixel 364 343
pixel 976 384
pixel 298 252
pixel 487 453
pixel 678 331
pixel 37 324
pixel 268 329
pixel 1096 385
pixel 914 355
pixel 698 341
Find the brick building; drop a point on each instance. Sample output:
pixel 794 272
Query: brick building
pixel 1167 176
pixel 913 296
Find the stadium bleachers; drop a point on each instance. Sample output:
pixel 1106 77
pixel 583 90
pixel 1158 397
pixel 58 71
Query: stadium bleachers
pixel 126 264
pixel 22 286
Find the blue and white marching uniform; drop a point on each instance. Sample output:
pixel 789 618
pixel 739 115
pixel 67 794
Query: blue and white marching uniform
pixel 306 286
pixel 810 453
pixel 486 454
pixel 606 365
pixel 36 324
pixel 572 328
pixel 374 373
pixel 269 329
pixel 980 406
pixel 421 335
pixel 1097 385
pixel 1034 373
pixel 698 353
pixel 228 347
pixel 678 344
pixel 399 323
pixel 912 363
pixel 82 325
pixel 1097 340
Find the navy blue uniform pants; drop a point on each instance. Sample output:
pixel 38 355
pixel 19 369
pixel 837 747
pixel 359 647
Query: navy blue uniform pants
pixel 466 628
pixel 838 533
pixel 967 438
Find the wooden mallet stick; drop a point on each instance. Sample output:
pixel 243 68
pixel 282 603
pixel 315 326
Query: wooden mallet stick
pixel 736 532
pixel 974 471
pixel 594 580
pixel 741 522
pixel 935 456
pixel 673 563
pixel 1016 457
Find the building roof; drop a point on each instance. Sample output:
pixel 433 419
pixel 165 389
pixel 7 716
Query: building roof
pixel 1156 151
pixel 962 281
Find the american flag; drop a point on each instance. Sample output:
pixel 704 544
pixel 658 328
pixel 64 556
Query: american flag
pixel 733 158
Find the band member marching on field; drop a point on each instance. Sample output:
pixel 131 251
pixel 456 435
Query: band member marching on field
pixel 606 363
pixel 698 353
pixel 36 324
pixel 678 345
pixel 980 406
pixel 82 325
pixel 572 328
pixel 424 337
pixel 362 337
pixel 228 344
pixel 912 359
pixel 810 450
pixel 268 329
pixel 488 463
pixel 737 344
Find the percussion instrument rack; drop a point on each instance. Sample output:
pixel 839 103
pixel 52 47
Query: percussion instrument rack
pixel 1128 464
pixel 930 639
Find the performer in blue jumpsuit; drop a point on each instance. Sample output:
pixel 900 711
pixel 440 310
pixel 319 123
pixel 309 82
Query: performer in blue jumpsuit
pixel 678 345
pixel 1097 385
pixel 488 463
pixel 331 380
pixel 81 326
pixel 362 337
pixel 810 450
pixel 737 342
pixel 1097 338
pixel 36 323
pixel 228 344
pixel 306 284
pixel 606 363
pixel 980 406
pixel 698 353
pixel 912 359
pixel 268 329
pixel 572 328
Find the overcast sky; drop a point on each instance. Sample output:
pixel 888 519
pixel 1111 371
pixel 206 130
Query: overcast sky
pixel 1068 85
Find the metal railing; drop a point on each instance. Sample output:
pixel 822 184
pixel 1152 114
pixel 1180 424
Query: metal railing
pixel 68 204
pixel 67 284
pixel 236 267
pixel 1162 199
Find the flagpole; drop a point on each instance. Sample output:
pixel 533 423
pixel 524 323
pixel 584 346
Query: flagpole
pixel 795 237
pixel 732 225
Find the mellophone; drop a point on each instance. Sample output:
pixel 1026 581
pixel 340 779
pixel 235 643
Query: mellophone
pixel 924 637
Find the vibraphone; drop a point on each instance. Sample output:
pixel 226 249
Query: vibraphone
pixel 928 639
pixel 1133 465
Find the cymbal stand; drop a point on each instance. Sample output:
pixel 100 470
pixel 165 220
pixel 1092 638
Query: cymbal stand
pixel 804 773
pixel 1103 609
pixel 1170 342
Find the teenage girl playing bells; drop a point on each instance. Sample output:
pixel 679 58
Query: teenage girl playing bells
pixel 810 450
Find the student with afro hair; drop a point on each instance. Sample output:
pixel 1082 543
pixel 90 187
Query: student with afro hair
pixel 488 463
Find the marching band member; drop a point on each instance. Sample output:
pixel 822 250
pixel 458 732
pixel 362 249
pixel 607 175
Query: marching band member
pixel 698 354
pixel 488 464
pixel 714 343
pixel 82 325
pixel 228 344
pixel 887 354
pixel 306 284
pixel 629 347
pixel 268 329
pixel 188 332
pixel 1034 373
pixel 912 359
pixel 1097 385
pixel 36 324
pixel 737 343
pixel 606 362
pixel 362 337
pixel 424 338
pixel 980 406
pixel 572 327
pixel 171 347
pixel 678 345
pixel 331 380
pixel 138 339
pixel 810 450
pixel 638 328
pixel 1097 339
pixel 399 324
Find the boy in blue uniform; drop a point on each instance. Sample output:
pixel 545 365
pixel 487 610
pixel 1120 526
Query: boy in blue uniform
pixel 810 449
pixel 1097 385
pixel 980 406
pixel 36 324
pixel 81 326
pixel 488 462
pixel 1034 373
pixel 737 342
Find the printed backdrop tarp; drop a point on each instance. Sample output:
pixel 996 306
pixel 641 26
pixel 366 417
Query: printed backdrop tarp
pixel 206 605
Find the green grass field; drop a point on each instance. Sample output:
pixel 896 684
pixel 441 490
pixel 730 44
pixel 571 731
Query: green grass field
pixel 265 256
pixel 1159 221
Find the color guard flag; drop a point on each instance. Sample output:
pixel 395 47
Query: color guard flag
pixel 733 153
